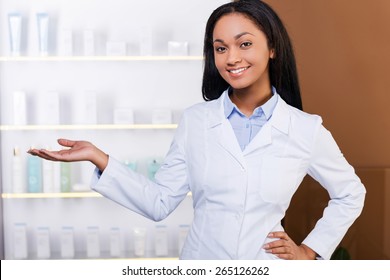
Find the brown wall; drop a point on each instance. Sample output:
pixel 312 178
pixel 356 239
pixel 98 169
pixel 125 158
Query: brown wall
pixel 343 55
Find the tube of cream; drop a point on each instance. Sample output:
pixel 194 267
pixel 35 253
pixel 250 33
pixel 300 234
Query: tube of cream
pixel 15 32
pixel 43 33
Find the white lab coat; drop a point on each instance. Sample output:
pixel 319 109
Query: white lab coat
pixel 241 196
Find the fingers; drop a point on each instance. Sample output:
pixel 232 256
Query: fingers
pixel 279 234
pixel 42 153
pixel 282 248
pixel 66 142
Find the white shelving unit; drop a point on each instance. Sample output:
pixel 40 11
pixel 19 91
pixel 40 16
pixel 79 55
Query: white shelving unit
pixel 140 82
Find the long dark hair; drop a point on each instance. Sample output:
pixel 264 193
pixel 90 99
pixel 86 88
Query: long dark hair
pixel 282 68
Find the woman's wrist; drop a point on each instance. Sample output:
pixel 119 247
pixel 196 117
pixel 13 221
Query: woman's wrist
pixel 310 253
pixel 100 159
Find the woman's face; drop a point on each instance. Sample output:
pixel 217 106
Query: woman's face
pixel 241 52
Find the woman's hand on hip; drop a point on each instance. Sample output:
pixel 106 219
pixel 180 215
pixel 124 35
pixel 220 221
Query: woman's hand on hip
pixel 285 248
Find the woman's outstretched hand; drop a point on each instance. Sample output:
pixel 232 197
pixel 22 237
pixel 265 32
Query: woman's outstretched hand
pixel 78 151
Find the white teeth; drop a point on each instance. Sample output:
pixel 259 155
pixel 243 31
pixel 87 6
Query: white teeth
pixel 236 71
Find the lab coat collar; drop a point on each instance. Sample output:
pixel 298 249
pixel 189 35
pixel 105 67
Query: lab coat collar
pixel 280 117
pixel 222 131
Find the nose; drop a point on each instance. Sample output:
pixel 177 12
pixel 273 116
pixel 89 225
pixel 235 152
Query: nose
pixel 234 57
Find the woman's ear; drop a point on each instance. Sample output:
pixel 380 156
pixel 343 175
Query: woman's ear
pixel 272 54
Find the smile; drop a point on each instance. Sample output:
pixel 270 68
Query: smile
pixel 238 71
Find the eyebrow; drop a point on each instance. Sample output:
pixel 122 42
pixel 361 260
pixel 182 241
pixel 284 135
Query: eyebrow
pixel 238 36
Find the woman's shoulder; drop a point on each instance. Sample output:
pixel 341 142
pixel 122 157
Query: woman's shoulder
pixel 302 125
pixel 201 108
pixel 302 117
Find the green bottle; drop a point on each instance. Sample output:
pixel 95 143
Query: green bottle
pixel 65 177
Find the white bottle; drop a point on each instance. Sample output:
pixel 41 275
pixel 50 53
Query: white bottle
pixel 89 42
pixel 48 176
pixel 43 243
pixel 19 108
pixel 18 185
pixel 20 241
pixel 161 241
pixel 139 242
pixel 93 242
pixel 67 243
pixel 115 242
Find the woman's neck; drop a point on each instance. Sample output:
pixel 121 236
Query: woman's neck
pixel 247 100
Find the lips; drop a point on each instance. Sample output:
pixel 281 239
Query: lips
pixel 237 71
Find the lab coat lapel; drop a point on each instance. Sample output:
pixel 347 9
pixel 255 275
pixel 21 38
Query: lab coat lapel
pixel 222 132
pixel 279 120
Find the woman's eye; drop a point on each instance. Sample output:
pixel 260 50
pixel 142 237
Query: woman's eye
pixel 246 44
pixel 220 49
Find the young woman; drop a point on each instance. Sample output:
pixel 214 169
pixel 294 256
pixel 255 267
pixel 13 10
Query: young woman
pixel 242 154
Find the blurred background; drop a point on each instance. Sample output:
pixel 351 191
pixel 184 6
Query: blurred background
pixel 140 63
pixel 342 49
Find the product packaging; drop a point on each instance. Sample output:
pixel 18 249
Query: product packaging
pixel 18 178
pixel 67 243
pixel 177 48
pixel 15 32
pixel 19 108
pixel 34 174
pixel 43 243
pixel 20 241
pixel 93 242
pixel 161 241
pixel 43 33
pixel 115 242
pixel 139 241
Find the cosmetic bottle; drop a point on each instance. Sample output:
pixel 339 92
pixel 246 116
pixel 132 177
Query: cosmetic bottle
pixel 115 242
pixel 123 116
pixel 34 174
pixel 139 241
pixel 19 108
pixel 146 41
pixel 85 108
pixel 161 241
pixel 177 48
pixel 17 173
pixel 65 170
pixel 20 241
pixel 15 32
pixel 93 242
pixel 161 116
pixel 67 243
pixel 48 176
pixel 43 33
pixel 43 243
pixel 89 42
pixel 116 48
pixel 48 110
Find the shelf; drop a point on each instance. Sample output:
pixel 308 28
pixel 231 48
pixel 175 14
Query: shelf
pixel 97 58
pixel 87 127
pixel 51 195
pixel 56 195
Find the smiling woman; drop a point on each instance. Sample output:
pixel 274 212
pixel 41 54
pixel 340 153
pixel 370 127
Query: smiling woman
pixel 242 58
pixel 242 154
